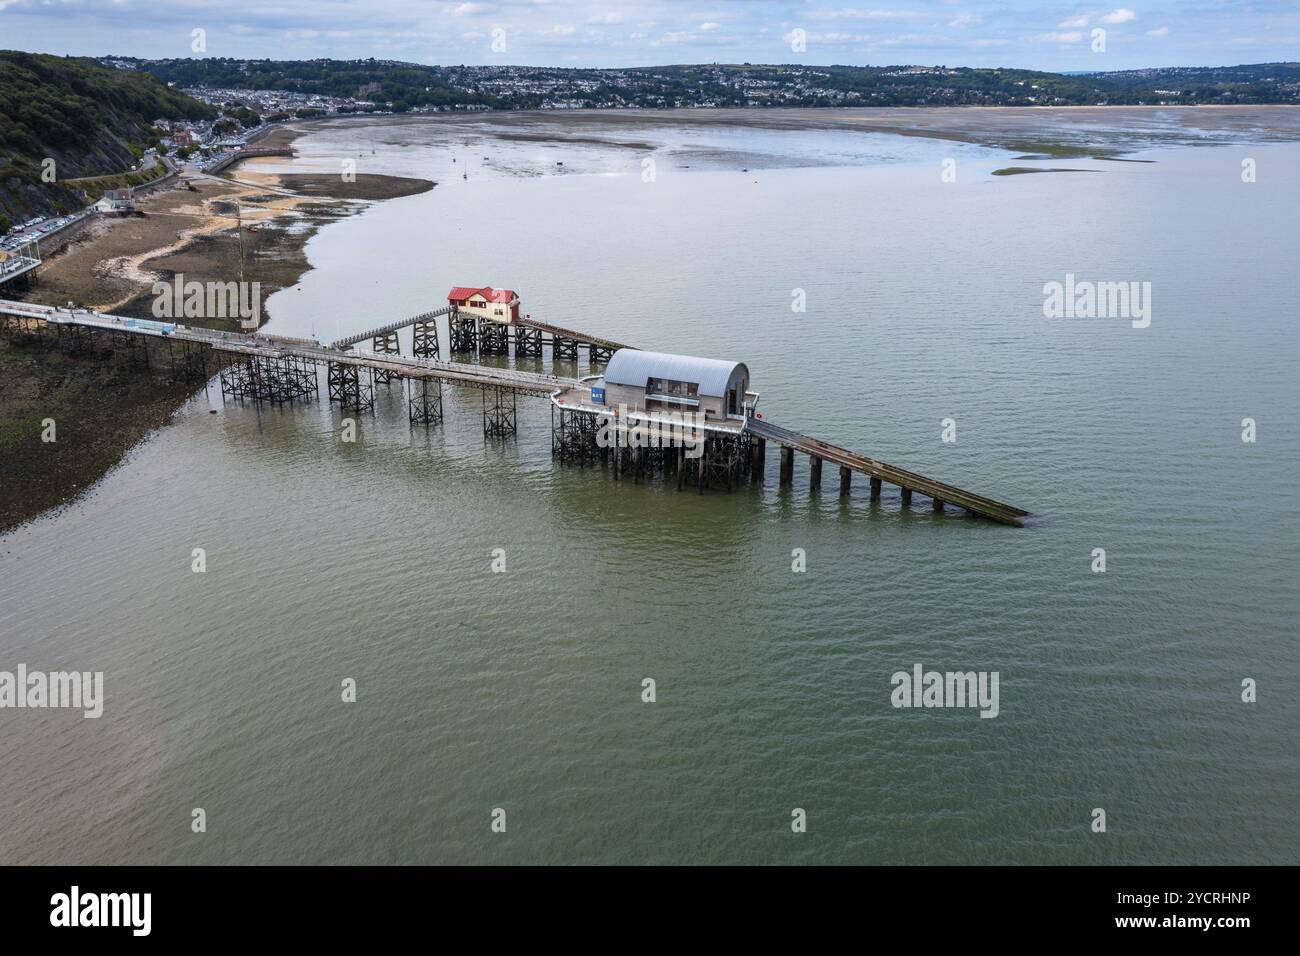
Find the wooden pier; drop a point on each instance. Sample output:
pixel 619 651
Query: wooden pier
pixel 18 268
pixel 272 368
pixel 908 482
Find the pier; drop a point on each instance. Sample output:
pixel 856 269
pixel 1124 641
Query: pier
pixel 731 439
pixel 18 268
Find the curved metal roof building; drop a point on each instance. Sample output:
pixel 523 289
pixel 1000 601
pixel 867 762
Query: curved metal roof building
pixel 635 367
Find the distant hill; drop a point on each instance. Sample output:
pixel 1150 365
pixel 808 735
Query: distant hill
pixel 89 118
pixel 384 84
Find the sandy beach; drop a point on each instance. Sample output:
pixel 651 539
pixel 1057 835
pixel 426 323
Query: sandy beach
pixel 247 225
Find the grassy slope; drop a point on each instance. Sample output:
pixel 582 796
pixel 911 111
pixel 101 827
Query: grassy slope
pixel 90 119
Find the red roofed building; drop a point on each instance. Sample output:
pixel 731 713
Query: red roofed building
pixel 496 305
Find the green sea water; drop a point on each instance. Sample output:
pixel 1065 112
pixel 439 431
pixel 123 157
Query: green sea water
pixel 523 690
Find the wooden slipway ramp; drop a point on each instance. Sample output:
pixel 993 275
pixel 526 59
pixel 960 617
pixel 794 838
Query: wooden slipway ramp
pixel 561 332
pixel 908 481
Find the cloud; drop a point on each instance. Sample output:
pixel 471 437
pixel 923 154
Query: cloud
pixel 868 15
pixel 1073 36
pixel 1026 34
pixel 1122 15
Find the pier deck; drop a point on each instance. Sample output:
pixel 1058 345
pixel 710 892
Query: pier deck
pixel 563 333
pixel 277 347
pixel 909 481
pixel 570 395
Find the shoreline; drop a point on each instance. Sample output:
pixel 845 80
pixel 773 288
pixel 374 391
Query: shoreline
pixel 1058 132
pixel 208 228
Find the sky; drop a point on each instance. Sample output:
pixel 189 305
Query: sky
pixel 1056 35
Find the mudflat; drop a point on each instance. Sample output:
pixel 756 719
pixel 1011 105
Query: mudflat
pixel 206 228
pixel 1047 130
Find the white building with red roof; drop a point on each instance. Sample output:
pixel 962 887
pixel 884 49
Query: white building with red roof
pixel 495 305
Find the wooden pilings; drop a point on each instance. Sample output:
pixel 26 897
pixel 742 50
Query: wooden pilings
pixel 787 465
pixel 846 480
pixel 907 497
pixel 875 488
pixel 936 504
pixel 814 473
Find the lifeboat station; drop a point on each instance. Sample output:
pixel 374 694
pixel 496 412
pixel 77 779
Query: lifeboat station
pixel 655 414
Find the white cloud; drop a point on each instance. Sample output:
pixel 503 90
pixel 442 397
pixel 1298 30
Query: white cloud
pixel 867 15
pixel 1071 37
pixel 710 26
pixel 1122 15
pixel 1074 23
pixel 965 20
pixel 469 9
pixel 1158 32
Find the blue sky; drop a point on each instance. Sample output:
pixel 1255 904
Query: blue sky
pixel 1038 34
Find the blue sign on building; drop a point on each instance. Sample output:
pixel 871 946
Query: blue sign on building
pixel 598 394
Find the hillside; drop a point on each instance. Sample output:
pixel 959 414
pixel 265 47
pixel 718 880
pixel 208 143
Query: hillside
pixel 382 84
pixel 89 118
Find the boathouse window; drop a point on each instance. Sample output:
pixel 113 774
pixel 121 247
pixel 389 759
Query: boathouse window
pixel 671 394
pixel 668 386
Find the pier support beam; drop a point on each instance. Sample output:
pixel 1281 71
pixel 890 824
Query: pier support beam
pixel 907 497
pixel 266 379
pixel 787 465
pixel 136 350
pixel 936 504
pixel 846 480
pixel 564 348
pixel 758 452
pixel 599 354
pixel 425 342
pixel 493 338
pixel 424 401
pixel 499 414
pixel 351 386
pixel 191 365
pixel 574 438
pixel 78 339
pixel 386 344
pixel 464 333
pixel 528 342
pixel 875 488
pixel 814 473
